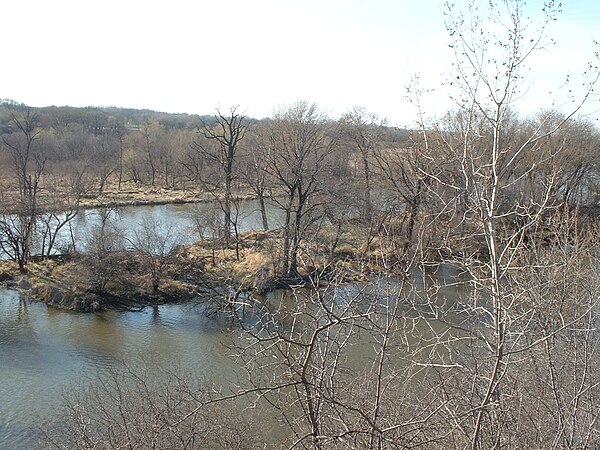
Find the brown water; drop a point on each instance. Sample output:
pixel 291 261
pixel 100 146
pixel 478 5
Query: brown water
pixel 46 352
pixel 175 216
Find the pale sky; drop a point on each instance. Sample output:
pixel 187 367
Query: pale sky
pixel 193 56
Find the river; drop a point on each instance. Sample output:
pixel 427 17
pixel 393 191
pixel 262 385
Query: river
pixel 180 220
pixel 46 353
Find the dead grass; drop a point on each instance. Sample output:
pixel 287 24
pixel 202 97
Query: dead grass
pixel 253 262
pixel 56 192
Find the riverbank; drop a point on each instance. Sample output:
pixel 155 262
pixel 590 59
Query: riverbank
pixel 68 283
pixel 138 194
pixel 200 271
pixel 211 269
pixel 114 195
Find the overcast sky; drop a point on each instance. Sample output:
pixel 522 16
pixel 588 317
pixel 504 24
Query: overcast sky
pixel 192 56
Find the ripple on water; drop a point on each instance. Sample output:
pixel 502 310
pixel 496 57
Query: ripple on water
pixel 45 352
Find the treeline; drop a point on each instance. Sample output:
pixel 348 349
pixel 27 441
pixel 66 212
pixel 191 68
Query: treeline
pixel 93 144
pixel 128 145
pixel 317 169
pixel 53 157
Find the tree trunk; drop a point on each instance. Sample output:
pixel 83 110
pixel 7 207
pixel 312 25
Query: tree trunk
pixel 263 211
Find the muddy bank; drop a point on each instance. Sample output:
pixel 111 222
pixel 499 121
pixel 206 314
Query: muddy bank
pixel 204 270
pixel 68 283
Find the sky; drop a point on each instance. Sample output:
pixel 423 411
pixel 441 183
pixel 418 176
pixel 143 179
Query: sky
pixel 186 56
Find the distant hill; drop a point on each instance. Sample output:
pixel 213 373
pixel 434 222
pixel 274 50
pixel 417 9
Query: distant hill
pixel 98 119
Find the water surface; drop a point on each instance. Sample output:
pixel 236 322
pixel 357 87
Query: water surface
pixel 45 352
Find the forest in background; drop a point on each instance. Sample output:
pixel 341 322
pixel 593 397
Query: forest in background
pixel 354 173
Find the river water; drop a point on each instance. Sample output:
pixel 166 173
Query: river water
pixel 179 219
pixel 46 353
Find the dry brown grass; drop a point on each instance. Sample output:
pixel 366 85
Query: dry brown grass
pixel 252 262
pixel 56 190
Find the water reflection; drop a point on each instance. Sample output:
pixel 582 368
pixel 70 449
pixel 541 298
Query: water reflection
pixel 178 217
pixel 45 352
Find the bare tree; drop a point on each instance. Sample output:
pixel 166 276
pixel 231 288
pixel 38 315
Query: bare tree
pixel 483 156
pixel 361 129
pixel 128 407
pixel 254 168
pixel 62 208
pixel 150 151
pixel 154 242
pixel 299 148
pixel 571 154
pixel 218 145
pixel 402 173
pixel 102 245
pixel 28 160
